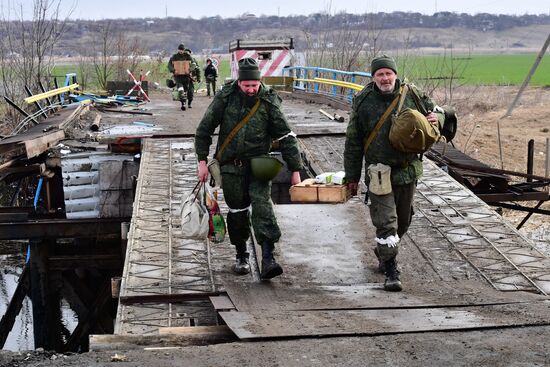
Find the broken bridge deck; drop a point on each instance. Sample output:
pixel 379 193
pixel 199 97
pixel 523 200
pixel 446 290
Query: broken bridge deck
pixel 462 265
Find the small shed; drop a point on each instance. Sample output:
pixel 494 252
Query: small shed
pixel 272 55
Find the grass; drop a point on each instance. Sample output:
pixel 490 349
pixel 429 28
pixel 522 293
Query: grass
pixel 480 69
pixel 159 73
pixel 472 70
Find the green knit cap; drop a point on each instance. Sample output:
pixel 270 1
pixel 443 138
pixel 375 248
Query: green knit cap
pixel 382 61
pixel 248 69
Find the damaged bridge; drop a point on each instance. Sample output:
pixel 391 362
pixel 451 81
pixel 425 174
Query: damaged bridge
pixel 463 266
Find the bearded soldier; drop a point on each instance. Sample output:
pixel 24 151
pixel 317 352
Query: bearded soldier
pixel 391 212
pixel 245 191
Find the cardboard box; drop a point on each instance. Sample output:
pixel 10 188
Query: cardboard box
pixel 182 67
pixel 310 192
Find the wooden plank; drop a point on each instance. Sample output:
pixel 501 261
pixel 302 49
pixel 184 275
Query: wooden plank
pixel 127 341
pixel 222 303
pixel 259 325
pixel 196 330
pixel 35 147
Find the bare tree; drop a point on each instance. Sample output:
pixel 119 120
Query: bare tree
pixel 27 46
pixel 102 58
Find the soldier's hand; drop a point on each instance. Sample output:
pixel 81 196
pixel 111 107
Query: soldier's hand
pixel 203 171
pixel 352 188
pixel 432 118
pixel 295 179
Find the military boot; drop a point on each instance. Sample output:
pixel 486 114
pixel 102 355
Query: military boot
pixel 182 105
pixel 241 265
pixel 392 283
pixel 381 266
pixel 270 268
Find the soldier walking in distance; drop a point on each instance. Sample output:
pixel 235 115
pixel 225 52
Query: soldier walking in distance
pixel 244 190
pixel 390 213
pixel 210 76
pixel 180 65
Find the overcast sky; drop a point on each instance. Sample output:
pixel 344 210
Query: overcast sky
pixel 108 9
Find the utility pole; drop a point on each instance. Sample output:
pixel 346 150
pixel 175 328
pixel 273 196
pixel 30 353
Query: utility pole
pixel 521 89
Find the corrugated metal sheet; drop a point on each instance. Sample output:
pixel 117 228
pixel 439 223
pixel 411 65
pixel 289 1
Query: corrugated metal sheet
pixel 81 182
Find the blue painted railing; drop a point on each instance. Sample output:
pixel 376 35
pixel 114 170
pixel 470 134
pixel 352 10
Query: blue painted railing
pixel 301 73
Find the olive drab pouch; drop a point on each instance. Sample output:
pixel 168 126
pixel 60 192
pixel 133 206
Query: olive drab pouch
pixel 215 171
pixel 411 132
pixel 379 179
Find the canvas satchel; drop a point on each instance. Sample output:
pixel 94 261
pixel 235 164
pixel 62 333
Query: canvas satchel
pixel 194 214
pixel 411 132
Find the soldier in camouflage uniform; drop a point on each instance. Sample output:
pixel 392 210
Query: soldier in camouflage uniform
pixel 244 193
pixel 196 77
pixel 184 83
pixel 391 214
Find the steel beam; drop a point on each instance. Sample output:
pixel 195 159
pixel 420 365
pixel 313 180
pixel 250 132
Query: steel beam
pixel 61 228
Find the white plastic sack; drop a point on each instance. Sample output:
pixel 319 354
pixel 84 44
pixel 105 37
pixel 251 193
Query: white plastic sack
pixel 194 215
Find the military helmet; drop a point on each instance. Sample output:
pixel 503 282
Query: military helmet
pixel 265 168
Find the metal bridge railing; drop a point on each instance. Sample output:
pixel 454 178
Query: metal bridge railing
pixel 330 82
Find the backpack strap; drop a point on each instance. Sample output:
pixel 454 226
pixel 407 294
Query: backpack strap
pixel 236 129
pixel 380 122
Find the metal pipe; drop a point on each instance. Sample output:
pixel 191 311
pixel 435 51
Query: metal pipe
pixel 547 163
pixel 51 93
pixel 530 158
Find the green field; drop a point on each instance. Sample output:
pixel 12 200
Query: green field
pixel 472 70
pixel 481 69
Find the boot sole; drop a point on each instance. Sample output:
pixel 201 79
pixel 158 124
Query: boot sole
pixel 395 287
pixel 272 273
pixel 240 272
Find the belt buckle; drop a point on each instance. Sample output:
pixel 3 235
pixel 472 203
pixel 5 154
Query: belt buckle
pixel 238 162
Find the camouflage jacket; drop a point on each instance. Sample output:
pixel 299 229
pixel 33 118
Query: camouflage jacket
pixel 368 106
pixel 178 57
pixel 254 139
pixel 194 66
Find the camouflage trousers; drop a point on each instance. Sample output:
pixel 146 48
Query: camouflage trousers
pixel 185 87
pixel 241 191
pixel 391 214
pixel 210 82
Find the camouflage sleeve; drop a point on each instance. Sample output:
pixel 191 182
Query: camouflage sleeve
pixel 279 130
pixel 171 65
pixel 430 105
pixel 353 150
pixel 210 121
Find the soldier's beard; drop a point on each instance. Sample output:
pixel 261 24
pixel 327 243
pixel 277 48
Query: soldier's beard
pixel 250 100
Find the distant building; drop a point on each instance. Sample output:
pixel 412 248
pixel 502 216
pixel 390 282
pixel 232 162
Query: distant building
pixel 272 55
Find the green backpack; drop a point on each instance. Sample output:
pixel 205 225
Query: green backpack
pixel 411 132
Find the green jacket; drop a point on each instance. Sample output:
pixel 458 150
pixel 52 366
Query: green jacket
pixel 178 57
pixel 254 139
pixel 367 108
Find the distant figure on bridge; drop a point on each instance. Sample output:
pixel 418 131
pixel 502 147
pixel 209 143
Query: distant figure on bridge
pixel 195 77
pixel 391 175
pixel 182 66
pixel 210 76
pixel 248 104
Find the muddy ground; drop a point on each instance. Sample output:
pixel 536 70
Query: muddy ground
pixel 479 110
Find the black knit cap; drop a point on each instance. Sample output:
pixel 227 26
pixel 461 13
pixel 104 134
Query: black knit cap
pixel 249 69
pixel 181 47
pixel 382 61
